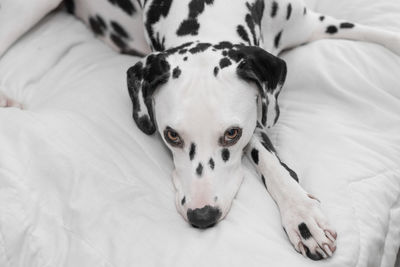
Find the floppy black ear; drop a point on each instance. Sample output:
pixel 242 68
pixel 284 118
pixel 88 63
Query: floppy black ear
pixel 143 79
pixel 268 72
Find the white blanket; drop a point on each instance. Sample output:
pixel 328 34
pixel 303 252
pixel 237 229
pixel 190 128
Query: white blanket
pixel 80 185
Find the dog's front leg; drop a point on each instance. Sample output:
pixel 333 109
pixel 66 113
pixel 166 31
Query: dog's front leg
pixel 301 214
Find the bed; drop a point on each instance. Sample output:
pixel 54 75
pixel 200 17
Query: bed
pixel 80 185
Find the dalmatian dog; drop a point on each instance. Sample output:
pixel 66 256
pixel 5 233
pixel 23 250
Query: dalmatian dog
pixel 209 83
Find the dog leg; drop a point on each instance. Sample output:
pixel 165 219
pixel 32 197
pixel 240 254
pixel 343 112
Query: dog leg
pixel 18 16
pixel 302 25
pixel 301 214
pixel 118 24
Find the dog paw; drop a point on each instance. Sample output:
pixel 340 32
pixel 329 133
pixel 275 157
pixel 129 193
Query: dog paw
pixel 308 229
pixel 5 102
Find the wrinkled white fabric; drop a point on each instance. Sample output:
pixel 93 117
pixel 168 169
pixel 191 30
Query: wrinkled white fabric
pixel 80 185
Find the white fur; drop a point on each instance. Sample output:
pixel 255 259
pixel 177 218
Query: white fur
pixel 202 118
pixel 295 205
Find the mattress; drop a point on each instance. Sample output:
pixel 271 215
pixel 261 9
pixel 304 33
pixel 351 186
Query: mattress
pixel 81 185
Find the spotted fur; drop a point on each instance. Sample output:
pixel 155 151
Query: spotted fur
pixel 225 154
pixel 199 169
pixel 243 49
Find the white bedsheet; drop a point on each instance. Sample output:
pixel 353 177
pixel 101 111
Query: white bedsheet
pixel 80 185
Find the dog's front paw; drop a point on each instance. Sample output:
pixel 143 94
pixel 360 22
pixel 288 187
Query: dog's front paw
pixel 5 102
pixel 308 229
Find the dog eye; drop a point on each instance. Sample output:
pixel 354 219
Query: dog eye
pixel 231 136
pixel 173 137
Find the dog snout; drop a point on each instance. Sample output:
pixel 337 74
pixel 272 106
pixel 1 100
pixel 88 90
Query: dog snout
pixel 204 217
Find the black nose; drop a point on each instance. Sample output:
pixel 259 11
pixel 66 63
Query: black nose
pixel 204 217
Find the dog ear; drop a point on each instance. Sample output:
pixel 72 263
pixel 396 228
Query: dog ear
pixel 143 79
pixel 268 72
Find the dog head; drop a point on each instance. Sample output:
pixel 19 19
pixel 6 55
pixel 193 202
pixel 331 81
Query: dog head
pixel 205 101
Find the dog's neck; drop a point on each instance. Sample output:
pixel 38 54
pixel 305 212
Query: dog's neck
pixel 199 22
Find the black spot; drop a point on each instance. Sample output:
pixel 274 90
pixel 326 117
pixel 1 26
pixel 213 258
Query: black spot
pixel 160 41
pixel 304 232
pixel 288 11
pixel 256 10
pixel 346 25
pixel 224 53
pixel 101 22
pixel 119 29
pixel 211 163
pixel 192 151
pixel 274 9
pixel 321 18
pixel 97 24
pixel 224 62
pixel 183 201
pixel 190 26
pixel 156 10
pixel 331 29
pixel 267 143
pixel 264 111
pixel 118 41
pixel 176 72
pixel 199 169
pixel 277 39
pixel 291 172
pixel 243 34
pixel 185 58
pixel 70 6
pixel 263 180
pixel 314 257
pixel 179 48
pixel 125 5
pixel 254 155
pixel 200 47
pixel 304 11
pixel 223 45
pixel 251 26
pixel 216 70
pixel 225 154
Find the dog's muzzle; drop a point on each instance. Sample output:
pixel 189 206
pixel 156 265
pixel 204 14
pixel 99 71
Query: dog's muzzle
pixel 204 217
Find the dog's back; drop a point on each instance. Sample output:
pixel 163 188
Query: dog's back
pixel 272 25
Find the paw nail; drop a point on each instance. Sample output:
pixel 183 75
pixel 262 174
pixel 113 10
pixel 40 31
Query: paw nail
pixel 303 251
pixel 313 197
pixel 329 235
pixel 328 250
pixel 321 252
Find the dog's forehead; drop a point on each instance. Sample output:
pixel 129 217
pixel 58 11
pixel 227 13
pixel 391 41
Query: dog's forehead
pixel 198 102
pixel 203 89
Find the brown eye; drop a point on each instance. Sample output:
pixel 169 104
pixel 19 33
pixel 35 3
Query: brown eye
pixel 231 136
pixel 172 137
